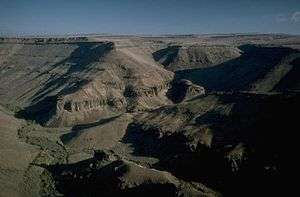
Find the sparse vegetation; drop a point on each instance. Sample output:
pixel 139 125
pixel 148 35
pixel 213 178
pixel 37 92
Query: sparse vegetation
pixel 13 107
pixel 26 129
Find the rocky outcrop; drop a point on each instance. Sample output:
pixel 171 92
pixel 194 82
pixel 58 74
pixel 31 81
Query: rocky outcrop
pixel 186 57
pixel 91 81
pixel 98 99
pixel 145 98
pixel 183 90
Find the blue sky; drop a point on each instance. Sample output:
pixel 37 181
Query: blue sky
pixel 37 17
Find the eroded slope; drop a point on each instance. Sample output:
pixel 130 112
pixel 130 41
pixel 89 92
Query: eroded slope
pixel 16 157
pixel 186 57
pixel 62 84
pixel 135 129
pixel 227 141
pixel 258 68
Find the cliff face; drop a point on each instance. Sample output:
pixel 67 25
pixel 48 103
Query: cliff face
pixel 186 57
pixel 183 90
pixel 86 81
pixel 76 81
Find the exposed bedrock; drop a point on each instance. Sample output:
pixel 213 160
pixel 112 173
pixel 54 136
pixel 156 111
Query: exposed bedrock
pixel 91 103
pixel 196 56
pixel 183 89
pixel 89 82
pixel 63 84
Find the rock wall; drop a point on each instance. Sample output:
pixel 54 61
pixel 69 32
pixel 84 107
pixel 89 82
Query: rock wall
pixel 196 56
pixel 64 84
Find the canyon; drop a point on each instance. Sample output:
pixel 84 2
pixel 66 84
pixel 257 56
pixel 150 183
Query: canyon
pixel 193 115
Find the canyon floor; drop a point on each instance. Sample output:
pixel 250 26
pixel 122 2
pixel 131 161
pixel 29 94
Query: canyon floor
pixel 190 115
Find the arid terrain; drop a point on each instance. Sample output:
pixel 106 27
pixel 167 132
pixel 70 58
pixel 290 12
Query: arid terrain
pixel 189 115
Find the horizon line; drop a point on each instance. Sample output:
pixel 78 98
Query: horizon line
pixel 142 34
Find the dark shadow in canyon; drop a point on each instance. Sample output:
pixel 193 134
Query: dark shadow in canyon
pixel 262 124
pixel 239 73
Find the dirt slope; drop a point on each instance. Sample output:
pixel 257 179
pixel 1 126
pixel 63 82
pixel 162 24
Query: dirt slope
pixel 16 157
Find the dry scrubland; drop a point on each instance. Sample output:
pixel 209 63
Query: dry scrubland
pixel 130 116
